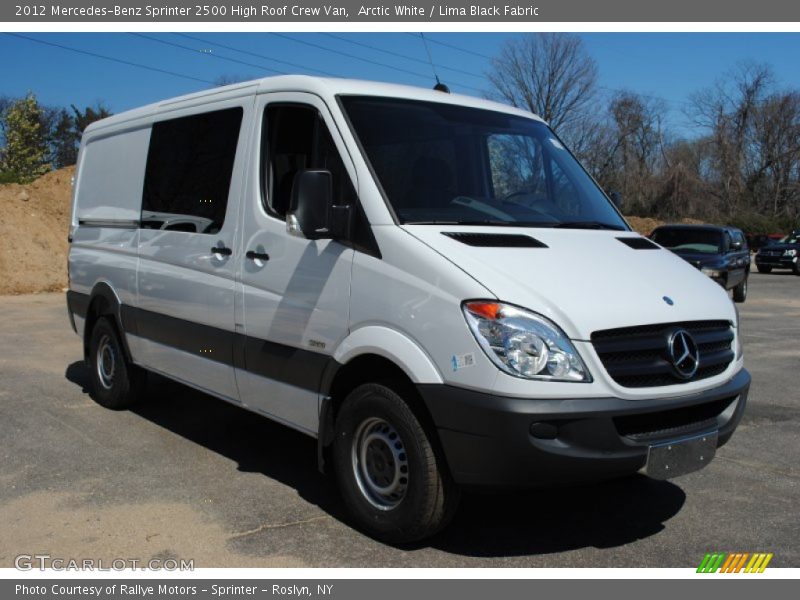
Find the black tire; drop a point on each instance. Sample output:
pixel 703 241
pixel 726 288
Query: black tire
pixel 116 383
pixel 763 269
pixel 796 268
pixel 410 511
pixel 740 291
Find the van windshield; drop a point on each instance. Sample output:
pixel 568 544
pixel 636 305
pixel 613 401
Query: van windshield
pixel 445 164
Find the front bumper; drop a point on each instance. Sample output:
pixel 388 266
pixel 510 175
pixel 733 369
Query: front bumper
pixel 507 442
pixel 776 262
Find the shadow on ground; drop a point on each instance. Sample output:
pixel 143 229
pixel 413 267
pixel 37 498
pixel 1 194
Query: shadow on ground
pixel 487 525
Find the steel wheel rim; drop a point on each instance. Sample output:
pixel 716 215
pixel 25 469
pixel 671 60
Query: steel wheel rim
pixel 380 463
pixel 106 362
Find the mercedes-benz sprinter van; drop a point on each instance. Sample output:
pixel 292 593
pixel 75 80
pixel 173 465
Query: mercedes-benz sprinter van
pixel 429 284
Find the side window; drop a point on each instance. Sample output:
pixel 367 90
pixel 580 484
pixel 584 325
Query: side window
pixel 188 175
pixel 295 138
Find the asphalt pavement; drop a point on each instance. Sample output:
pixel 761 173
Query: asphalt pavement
pixel 186 476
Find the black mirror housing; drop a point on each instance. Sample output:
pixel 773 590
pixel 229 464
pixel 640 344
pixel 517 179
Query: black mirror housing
pixel 310 206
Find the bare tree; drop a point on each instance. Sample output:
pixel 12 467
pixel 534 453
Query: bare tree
pixel 728 112
pixel 550 74
pixel 772 177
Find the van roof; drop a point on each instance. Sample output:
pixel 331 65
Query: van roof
pixel 326 87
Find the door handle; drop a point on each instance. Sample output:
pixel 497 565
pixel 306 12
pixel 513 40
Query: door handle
pixel 222 250
pixel 253 255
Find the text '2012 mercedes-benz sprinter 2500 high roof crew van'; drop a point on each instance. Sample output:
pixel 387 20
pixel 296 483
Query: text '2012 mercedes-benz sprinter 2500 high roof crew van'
pixel 428 284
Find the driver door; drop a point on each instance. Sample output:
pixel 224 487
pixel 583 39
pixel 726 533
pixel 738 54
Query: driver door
pixel 293 294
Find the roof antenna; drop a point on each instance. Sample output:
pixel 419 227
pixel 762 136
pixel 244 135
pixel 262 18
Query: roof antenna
pixel 439 87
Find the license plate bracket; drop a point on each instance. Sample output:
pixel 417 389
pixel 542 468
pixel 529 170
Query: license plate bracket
pixel 679 457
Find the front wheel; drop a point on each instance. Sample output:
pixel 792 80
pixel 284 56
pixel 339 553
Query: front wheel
pixel 388 472
pixel 796 268
pixel 740 291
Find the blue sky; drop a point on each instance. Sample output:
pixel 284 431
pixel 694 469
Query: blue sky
pixel 670 66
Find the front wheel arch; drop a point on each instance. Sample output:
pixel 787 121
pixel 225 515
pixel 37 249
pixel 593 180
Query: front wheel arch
pixel 340 380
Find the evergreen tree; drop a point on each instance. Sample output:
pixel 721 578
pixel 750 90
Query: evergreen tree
pixel 64 140
pixel 25 154
pixel 88 116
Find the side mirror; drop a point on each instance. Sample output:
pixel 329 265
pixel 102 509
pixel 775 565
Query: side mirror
pixel 616 198
pixel 309 208
pixel 736 245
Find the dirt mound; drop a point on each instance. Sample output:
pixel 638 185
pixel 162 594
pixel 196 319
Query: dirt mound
pixel 34 223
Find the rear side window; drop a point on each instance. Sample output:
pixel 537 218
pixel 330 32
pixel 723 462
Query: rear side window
pixel 295 138
pixel 188 174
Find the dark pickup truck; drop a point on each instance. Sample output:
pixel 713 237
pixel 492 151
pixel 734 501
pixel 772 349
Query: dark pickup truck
pixel 719 252
pixel 780 255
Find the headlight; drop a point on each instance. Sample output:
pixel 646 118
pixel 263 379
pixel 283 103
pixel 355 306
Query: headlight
pixel 790 252
pixel 738 334
pixel 523 343
pixel 711 272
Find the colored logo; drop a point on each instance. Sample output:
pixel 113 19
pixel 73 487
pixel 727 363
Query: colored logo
pixel 735 562
pixel 668 300
pixel 683 353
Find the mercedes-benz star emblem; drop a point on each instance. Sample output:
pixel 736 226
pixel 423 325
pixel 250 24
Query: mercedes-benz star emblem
pixel 683 353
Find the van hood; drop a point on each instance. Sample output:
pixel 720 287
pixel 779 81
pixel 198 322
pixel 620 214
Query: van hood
pixel 583 280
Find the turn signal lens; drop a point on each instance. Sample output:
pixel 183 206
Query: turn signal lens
pixel 487 310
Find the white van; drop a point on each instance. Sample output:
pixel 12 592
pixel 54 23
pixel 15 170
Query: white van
pixel 428 284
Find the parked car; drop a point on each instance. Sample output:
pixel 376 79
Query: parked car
pixel 719 252
pixel 782 254
pixel 757 241
pixel 430 285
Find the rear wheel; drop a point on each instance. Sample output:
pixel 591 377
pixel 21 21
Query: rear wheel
pixel 116 382
pixel 764 269
pixel 389 475
pixel 740 291
pixel 796 268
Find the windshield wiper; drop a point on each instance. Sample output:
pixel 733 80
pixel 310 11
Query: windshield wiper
pixel 587 225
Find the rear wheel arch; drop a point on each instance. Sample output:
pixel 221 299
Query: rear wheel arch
pixel 104 302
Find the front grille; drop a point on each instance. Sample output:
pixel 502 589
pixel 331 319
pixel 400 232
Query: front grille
pixel 638 356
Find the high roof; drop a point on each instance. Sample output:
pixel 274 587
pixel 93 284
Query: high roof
pixel 324 87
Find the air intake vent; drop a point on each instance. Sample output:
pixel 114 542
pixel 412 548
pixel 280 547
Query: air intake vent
pixel 638 243
pixel 495 240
